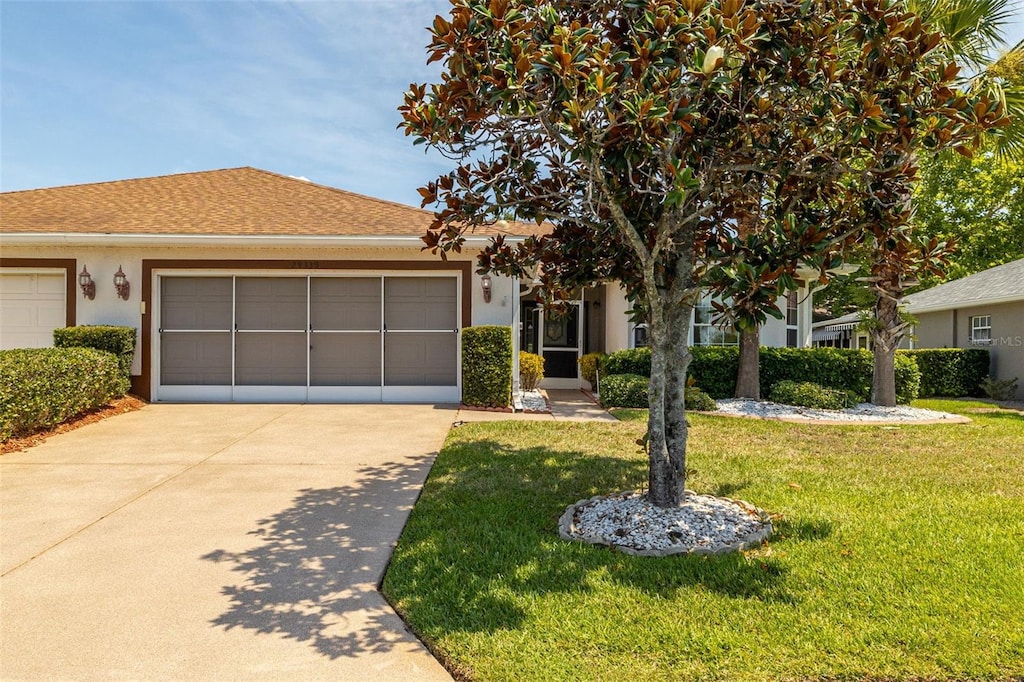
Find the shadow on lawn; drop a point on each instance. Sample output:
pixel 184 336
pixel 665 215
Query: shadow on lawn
pixel 483 540
pixel 314 575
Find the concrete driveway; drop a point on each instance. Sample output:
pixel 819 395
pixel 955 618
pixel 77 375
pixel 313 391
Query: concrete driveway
pixel 214 542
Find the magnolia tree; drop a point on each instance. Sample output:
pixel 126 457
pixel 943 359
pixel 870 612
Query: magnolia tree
pixel 630 126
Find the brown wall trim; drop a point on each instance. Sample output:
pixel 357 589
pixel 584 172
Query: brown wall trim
pixel 70 266
pixel 144 386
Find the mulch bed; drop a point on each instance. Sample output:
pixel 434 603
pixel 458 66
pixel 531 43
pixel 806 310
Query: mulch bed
pixel 129 403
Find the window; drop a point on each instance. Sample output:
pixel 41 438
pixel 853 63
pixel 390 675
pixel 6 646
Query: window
pixel 706 333
pixel 981 330
pixel 640 336
pixel 792 327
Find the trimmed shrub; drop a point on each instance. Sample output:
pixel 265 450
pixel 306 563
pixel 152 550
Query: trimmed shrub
pixel 808 394
pixel 908 379
pixel 996 389
pixel 624 390
pixel 531 370
pixel 588 367
pixel 487 366
pixel 698 400
pixel 117 340
pixel 714 368
pixel 631 361
pixel 841 369
pixel 42 387
pixel 950 372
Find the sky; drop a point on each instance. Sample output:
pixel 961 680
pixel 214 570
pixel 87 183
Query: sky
pixel 92 91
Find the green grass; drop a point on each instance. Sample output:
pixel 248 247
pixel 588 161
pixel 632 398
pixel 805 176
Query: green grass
pixel 898 555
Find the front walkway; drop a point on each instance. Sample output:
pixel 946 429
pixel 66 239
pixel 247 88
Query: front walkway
pixel 206 542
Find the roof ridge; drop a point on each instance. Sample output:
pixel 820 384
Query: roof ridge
pixel 148 177
pixel 333 189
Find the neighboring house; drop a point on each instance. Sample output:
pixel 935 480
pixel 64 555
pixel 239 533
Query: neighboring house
pixel 247 285
pixel 840 332
pixel 985 309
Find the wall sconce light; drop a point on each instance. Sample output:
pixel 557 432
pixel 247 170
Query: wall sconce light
pixel 485 284
pixel 121 284
pixel 88 286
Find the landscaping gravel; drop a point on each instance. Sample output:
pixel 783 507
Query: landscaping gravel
pixel 865 412
pixel 702 524
pixel 533 401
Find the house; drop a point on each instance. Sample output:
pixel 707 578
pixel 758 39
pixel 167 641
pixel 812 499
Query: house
pixel 246 285
pixel 984 309
pixel 840 332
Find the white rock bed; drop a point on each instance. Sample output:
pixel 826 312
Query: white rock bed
pixel 702 524
pixel 865 412
pixel 532 401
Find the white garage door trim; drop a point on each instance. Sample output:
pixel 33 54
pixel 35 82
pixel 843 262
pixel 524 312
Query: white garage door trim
pixel 45 308
pixel 268 333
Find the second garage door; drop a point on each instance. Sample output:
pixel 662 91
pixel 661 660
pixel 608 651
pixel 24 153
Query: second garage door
pixel 32 305
pixel 315 338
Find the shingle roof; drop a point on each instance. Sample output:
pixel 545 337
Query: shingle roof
pixel 234 202
pixel 1001 283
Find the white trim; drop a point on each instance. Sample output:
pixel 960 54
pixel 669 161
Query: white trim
pixel 344 394
pixel 194 394
pixel 421 394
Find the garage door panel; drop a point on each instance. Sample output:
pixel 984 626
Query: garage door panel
pixel 195 359
pixel 32 305
pixel 345 303
pixel 314 335
pixel 270 359
pixel 413 303
pixel 420 359
pixel 351 359
pixel 196 303
pixel 270 303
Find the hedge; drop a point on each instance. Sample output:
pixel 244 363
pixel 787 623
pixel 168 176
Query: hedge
pixel 714 369
pixel 624 390
pixel 487 366
pixel 630 390
pixel 950 372
pixel 117 340
pixel 42 387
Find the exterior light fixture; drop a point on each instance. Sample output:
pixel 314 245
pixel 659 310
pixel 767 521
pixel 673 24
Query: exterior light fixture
pixel 121 284
pixel 88 286
pixel 485 284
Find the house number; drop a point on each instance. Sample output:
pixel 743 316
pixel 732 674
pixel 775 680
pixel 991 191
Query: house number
pixel 305 264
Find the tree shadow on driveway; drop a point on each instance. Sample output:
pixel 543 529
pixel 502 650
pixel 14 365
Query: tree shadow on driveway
pixel 314 575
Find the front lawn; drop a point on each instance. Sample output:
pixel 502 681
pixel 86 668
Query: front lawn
pixel 899 553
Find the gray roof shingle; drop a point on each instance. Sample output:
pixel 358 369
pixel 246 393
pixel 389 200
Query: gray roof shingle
pixel 999 284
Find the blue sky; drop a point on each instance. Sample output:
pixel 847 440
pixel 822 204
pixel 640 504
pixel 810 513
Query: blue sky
pixel 95 91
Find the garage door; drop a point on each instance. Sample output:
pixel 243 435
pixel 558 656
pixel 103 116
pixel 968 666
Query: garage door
pixel 31 306
pixel 311 338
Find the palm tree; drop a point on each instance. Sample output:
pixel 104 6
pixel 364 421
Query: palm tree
pixel 972 31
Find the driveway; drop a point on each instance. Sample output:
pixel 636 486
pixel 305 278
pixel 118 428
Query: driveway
pixel 214 542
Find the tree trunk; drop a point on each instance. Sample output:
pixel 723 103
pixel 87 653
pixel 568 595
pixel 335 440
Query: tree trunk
pixel 885 337
pixel 748 377
pixel 883 381
pixel 666 425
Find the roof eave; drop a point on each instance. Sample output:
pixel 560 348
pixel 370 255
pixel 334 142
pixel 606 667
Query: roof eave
pixel 943 306
pixel 107 239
